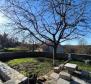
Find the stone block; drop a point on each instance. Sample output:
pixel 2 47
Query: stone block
pixel 54 76
pixel 56 69
pixel 62 81
pixel 65 75
pixel 10 76
pixel 1 82
pixel 61 66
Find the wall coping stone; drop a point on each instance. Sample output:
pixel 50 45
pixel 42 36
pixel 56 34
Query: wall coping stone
pixel 10 75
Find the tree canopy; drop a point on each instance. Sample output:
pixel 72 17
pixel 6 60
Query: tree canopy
pixel 49 20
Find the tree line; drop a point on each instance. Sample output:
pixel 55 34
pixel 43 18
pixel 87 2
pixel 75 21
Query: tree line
pixel 6 41
pixel 78 49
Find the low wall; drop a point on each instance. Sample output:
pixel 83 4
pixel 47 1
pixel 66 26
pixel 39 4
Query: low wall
pixel 80 57
pixel 10 76
pixel 5 56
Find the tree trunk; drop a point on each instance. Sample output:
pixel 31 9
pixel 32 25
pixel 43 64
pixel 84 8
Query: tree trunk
pixel 54 54
pixel 33 47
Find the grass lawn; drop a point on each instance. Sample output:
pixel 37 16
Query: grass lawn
pixel 82 65
pixel 14 49
pixel 39 65
pixel 33 65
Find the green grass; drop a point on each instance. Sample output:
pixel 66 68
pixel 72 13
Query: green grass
pixel 14 49
pixel 33 65
pixel 39 65
pixel 21 60
pixel 82 65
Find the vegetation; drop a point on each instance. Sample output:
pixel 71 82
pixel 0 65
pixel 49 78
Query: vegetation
pixel 28 66
pixel 49 20
pixel 78 49
pixel 21 60
pixel 82 65
pixel 39 65
pixel 14 49
pixel 6 41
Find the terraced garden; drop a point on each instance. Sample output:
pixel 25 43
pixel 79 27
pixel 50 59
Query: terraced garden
pixel 40 65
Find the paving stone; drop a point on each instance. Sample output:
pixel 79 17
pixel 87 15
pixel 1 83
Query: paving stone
pixel 54 76
pixel 65 75
pixel 62 81
pixel 51 82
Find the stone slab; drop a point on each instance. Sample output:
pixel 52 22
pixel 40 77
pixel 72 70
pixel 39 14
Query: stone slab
pixel 52 81
pixel 54 76
pixel 70 65
pixel 65 75
pixel 1 82
pixel 62 81
pixel 10 75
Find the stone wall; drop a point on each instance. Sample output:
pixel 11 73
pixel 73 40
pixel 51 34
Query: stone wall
pixel 11 76
pixel 80 57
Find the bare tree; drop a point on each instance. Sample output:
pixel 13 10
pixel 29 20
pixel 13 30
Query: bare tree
pixel 51 20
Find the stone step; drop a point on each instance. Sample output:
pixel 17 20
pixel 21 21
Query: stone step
pixel 61 66
pixel 65 75
pixel 62 81
pixel 1 81
pixel 54 75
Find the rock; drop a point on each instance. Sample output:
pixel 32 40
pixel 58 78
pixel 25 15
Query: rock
pixel 42 79
pixel 52 81
pixel 65 75
pixel 56 69
pixel 61 66
pixel 62 81
pixel 54 76
pixel 10 76
pixel 45 76
pixel 1 82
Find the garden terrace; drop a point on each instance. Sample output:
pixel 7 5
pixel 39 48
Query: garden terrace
pixel 40 65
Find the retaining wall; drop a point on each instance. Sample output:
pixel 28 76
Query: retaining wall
pixel 80 57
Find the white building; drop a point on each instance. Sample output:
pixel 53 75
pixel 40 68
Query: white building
pixel 47 48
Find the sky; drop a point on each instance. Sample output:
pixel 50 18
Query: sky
pixel 4 20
